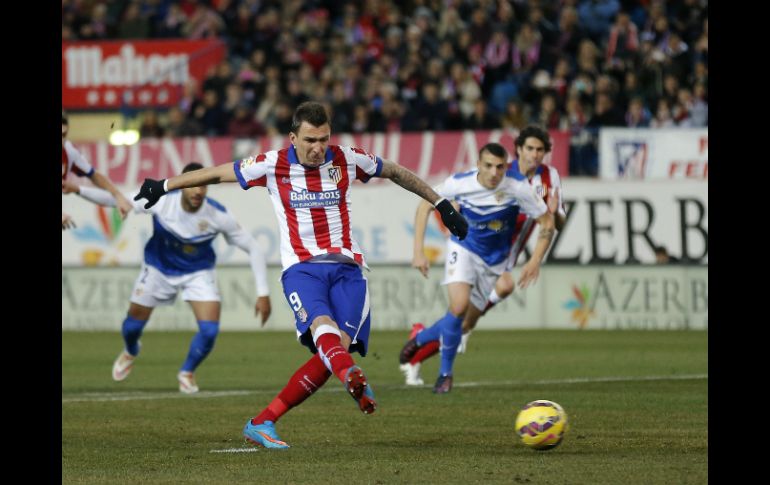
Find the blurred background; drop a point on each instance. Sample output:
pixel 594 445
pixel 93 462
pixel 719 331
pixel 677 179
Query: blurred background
pixel 621 86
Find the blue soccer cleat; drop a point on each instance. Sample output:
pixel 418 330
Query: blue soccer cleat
pixel 263 435
pixel 443 385
pixel 356 385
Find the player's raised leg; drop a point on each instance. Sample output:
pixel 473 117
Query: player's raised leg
pixel 131 329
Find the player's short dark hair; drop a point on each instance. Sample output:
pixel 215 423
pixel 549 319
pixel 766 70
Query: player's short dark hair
pixel 310 111
pixel 64 119
pixel 192 166
pixel 495 149
pixel 534 132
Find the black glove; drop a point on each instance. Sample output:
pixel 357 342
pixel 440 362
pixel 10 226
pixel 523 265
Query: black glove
pixel 453 220
pixel 152 190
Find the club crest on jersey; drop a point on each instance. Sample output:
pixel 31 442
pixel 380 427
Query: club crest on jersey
pixel 540 190
pixel 203 225
pixel 247 161
pixel 302 315
pixel 335 174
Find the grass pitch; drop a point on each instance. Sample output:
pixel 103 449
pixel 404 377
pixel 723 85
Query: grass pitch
pixel 637 404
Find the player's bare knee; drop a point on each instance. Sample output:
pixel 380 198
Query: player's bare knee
pixel 458 309
pixel 324 325
pixel 504 287
pixel 139 312
pixel 323 320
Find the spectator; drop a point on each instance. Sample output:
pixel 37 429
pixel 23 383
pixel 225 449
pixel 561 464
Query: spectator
pixel 637 115
pixel 526 51
pixel 133 24
pixel 243 124
pixel 180 126
pixel 571 34
pixel 360 122
pixel 481 119
pixel 702 44
pixel 313 55
pixel 150 126
pixel 548 117
pixel 700 108
pixel 514 117
pixel 210 114
pixel 662 117
pixel 266 110
pixel 623 42
pixel 428 113
pixel 342 109
pixel 450 24
pixel 582 153
pixel 204 22
pixel 172 23
pixel 605 113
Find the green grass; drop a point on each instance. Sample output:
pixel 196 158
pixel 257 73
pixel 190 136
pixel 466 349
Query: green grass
pixel 627 431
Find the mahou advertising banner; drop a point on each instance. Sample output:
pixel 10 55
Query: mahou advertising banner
pixel 108 75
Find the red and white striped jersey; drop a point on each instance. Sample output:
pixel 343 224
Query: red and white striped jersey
pixel 71 159
pixel 312 204
pixel 545 179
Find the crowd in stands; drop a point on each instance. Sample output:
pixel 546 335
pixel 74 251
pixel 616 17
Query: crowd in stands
pixel 385 65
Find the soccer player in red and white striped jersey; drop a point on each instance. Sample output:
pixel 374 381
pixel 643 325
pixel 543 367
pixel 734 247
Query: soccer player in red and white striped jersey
pixel 309 185
pixel 72 161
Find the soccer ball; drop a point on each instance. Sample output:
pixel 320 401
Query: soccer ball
pixel 541 424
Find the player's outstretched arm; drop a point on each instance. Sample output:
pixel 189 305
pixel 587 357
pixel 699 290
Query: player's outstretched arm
pixel 91 194
pixel 554 206
pixel 153 190
pixel 452 219
pixel 531 270
pixel 419 260
pixel 237 236
pixel 122 203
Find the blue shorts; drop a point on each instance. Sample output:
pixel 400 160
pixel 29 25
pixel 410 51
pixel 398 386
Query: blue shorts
pixel 338 290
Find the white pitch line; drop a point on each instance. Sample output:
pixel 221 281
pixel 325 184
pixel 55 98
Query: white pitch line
pixel 235 450
pixel 139 396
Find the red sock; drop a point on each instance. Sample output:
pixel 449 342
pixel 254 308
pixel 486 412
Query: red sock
pixel 307 380
pixel 426 351
pixel 339 358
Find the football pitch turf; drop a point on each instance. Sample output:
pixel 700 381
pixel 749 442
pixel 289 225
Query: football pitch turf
pixel 637 403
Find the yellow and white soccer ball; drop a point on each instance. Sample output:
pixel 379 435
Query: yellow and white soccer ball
pixel 541 424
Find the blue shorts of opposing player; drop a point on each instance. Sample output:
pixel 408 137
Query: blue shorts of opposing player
pixel 338 290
